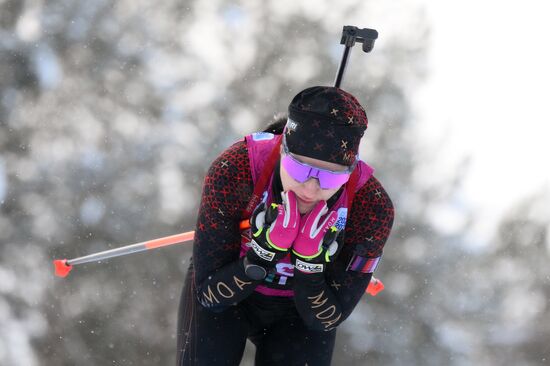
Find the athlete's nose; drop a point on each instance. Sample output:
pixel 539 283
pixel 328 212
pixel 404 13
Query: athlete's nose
pixel 311 188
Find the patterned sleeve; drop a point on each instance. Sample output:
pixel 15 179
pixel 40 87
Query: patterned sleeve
pixel 325 304
pixel 219 273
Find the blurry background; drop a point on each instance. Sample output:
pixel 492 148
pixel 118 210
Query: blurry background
pixel 111 111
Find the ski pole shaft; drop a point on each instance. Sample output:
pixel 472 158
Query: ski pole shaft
pixel 134 248
pixel 64 266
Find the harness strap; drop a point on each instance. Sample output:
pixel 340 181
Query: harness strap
pixel 351 188
pixel 263 181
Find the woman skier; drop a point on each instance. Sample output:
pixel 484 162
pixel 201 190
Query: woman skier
pixel 318 222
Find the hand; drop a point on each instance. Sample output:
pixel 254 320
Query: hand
pixel 316 243
pixel 273 231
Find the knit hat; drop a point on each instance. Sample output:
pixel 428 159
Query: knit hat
pixel 325 123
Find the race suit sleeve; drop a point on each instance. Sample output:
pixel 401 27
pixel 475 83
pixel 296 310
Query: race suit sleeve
pixel 220 279
pixel 325 302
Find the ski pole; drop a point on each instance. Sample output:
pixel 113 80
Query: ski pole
pixel 350 35
pixel 64 266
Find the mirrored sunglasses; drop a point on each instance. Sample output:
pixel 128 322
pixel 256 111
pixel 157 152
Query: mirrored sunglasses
pixel 301 172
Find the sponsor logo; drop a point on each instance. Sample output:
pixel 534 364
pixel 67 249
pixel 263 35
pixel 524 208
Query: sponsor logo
pixel 291 125
pixel 349 157
pixel 261 252
pixel 308 267
pixel 342 217
pixel 262 136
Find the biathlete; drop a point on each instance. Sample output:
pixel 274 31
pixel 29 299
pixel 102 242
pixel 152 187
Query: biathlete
pixel 319 220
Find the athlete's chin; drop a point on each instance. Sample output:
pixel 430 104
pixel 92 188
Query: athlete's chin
pixel 305 207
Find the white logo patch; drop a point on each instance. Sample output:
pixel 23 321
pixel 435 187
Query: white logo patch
pixel 261 252
pixel 308 267
pixel 291 125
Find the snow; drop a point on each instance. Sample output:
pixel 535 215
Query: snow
pixel 3 181
pixel 486 99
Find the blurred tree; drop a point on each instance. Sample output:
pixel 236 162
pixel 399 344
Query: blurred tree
pixel 514 286
pixel 111 112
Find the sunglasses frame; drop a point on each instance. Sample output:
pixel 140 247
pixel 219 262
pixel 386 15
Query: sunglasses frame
pixel 347 172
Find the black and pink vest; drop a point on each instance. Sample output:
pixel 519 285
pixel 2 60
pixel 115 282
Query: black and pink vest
pixel 260 145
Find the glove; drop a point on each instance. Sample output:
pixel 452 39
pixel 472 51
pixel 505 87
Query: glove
pixel 274 229
pixel 316 243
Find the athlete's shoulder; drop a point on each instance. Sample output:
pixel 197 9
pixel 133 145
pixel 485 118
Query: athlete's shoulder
pixel 228 183
pixel 230 173
pixel 234 159
pixel 236 151
pixel 371 220
pixel 373 193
